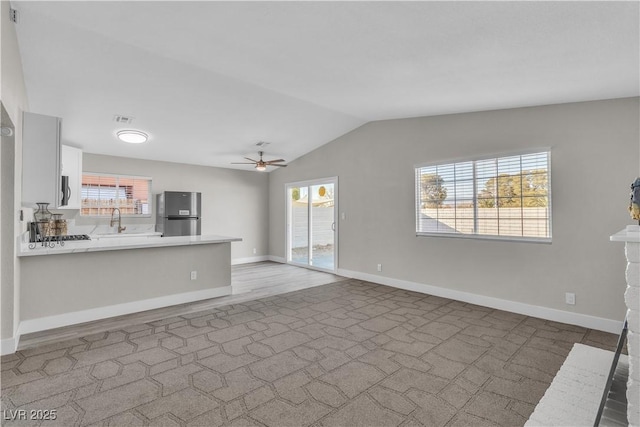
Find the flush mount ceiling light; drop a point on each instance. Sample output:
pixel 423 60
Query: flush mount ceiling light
pixel 132 136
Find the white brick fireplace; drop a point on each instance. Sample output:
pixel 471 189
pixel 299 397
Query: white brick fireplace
pixel 631 237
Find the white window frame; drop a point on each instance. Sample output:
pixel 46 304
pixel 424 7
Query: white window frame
pixel 474 159
pixel 118 176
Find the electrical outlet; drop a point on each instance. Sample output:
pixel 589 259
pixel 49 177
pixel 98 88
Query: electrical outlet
pixel 194 275
pixel 344 216
pixel 570 298
pixel 379 267
pixel 255 251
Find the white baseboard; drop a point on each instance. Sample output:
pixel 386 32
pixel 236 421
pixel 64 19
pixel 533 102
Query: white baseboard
pixel 277 259
pixel 66 319
pixel 578 319
pixel 249 260
pixel 8 346
pixel 260 258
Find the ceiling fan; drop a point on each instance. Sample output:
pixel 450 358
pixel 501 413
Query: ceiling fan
pixel 261 165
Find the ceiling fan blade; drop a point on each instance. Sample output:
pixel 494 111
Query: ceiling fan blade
pixel 280 166
pixel 274 161
pixel 236 163
pixel 254 161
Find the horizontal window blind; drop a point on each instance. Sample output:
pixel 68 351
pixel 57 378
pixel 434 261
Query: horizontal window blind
pixel 102 193
pixel 505 197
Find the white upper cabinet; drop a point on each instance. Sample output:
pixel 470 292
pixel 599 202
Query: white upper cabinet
pixel 71 167
pixel 45 161
pixel 41 160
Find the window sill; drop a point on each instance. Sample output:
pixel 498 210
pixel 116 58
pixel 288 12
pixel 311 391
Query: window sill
pixel 543 240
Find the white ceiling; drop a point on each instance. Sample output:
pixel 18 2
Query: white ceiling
pixel 207 80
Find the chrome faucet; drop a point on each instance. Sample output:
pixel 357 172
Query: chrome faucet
pixel 112 222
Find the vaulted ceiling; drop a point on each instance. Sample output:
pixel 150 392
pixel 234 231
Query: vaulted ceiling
pixel 207 80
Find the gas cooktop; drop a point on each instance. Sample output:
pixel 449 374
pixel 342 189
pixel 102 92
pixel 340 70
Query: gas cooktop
pixel 70 237
pixel 52 241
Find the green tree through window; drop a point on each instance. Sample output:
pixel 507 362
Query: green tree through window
pixel 433 190
pixel 528 189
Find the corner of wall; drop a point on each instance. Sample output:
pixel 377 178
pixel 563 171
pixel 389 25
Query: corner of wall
pixel 14 98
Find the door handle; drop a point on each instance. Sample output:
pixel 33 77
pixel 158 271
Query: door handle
pixel 333 226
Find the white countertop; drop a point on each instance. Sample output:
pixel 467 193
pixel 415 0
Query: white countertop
pixel 120 243
pixel 629 234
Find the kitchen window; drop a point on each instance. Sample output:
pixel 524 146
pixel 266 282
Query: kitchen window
pixel 497 198
pixel 101 193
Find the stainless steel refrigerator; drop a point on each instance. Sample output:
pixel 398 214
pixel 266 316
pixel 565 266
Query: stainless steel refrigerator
pixel 178 213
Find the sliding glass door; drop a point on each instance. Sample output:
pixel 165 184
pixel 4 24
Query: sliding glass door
pixel 311 223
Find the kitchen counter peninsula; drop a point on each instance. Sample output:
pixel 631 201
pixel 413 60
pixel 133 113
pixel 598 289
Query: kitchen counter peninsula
pixel 113 243
pixel 107 277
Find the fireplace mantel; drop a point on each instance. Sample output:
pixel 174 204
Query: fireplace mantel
pixel 629 234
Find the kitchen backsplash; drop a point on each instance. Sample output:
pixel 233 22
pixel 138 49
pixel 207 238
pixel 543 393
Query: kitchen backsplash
pixel 92 225
pixel 105 229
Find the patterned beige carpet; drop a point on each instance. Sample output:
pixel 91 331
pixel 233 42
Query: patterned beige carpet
pixel 350 353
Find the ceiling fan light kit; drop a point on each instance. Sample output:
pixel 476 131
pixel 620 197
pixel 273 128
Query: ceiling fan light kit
pixel 261 165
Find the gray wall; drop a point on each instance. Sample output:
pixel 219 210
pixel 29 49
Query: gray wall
pixel 234 202
pixel 60 284
pixel 594 157
pixel 14 99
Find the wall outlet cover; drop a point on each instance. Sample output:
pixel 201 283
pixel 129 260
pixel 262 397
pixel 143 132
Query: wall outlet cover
pixel 194 275
pixel 570 298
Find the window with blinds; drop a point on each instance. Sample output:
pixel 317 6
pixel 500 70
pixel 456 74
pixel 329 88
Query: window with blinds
pixel 501 197
pixel 102 193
